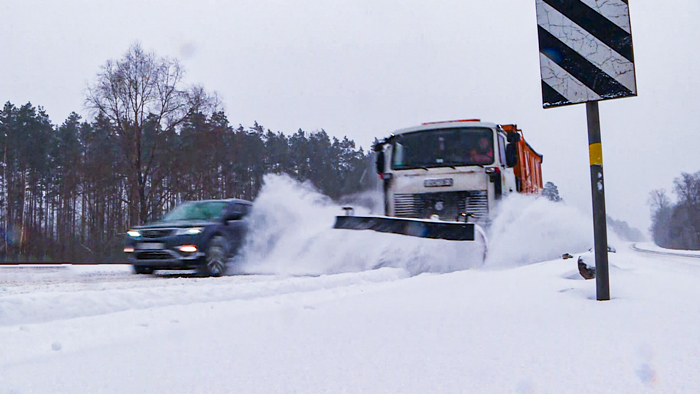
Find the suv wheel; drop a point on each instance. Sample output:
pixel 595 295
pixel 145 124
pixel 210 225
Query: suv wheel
pixel 141 269
pixel 215 258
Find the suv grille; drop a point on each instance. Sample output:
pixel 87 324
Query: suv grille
pixel 447 205
pixel 153 255
pixel 159 233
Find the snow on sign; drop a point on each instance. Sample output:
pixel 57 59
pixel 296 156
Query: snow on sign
pixel 585 51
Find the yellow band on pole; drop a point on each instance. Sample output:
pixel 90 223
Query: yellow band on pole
pixel 595 152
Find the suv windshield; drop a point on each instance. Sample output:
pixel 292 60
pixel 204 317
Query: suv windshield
pixel 204 210
pixel 460 146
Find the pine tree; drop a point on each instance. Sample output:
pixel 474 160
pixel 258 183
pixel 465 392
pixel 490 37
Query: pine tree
pixel 551 192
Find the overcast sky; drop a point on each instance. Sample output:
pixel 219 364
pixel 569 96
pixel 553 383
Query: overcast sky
pixel 364 68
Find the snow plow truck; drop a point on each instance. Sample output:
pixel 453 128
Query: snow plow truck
pixel 442 179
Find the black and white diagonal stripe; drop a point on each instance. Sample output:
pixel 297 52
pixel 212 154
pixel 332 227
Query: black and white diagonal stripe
pixel 585 50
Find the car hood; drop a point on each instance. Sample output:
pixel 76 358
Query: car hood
pixel 178 224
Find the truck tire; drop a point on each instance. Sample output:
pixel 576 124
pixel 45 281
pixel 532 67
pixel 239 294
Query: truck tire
pixel 214 263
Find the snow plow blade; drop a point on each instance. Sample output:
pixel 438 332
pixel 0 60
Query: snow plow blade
pixel 452 231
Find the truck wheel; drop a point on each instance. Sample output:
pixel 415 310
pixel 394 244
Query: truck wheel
pixel 143 270
pixel 215 258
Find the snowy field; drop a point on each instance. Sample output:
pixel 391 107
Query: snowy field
pixel 330 320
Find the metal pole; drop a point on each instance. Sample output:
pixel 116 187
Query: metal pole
pixel 600 232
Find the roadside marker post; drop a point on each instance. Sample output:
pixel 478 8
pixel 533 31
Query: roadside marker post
pixel 586 56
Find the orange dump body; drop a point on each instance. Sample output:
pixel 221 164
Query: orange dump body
pixel 528 171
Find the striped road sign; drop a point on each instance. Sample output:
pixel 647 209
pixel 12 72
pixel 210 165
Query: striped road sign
pixel 585 51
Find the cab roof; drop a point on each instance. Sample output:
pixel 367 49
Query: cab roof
pixel 446 125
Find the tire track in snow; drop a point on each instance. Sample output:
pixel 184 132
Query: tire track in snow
pixel 69 301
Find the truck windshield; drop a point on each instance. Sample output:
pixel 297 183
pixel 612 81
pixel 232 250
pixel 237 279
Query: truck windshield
pixel 202 210
pixel 461 146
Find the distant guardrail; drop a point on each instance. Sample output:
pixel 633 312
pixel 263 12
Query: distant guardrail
pixel 664 253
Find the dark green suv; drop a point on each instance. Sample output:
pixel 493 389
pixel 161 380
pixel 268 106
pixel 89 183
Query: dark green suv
pixel 201 235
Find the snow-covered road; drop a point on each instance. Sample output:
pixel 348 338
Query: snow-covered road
pixel 530 329
pixel 648 247
pixel 41 294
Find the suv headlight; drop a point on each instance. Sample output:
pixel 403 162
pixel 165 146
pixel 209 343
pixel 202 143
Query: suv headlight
pixel 189 231
pixel 134 233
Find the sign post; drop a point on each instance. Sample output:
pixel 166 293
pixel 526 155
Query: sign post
pixel 586 56
pixel 600 230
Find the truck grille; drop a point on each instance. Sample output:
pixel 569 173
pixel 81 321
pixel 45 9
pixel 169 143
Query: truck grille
pixel 159 233
pixel 446 205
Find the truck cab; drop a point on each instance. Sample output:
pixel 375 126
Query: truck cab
pixel 447 170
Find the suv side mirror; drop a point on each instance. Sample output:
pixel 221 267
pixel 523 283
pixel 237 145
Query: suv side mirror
pixel 235 211
pixel 233 216
pixel 380 162
pixel 511 155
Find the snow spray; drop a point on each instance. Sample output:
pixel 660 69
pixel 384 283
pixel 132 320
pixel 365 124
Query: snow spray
pixel 528 229
pixel 291 234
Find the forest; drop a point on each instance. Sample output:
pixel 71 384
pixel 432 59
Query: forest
pixel 69 192
pixel 676 225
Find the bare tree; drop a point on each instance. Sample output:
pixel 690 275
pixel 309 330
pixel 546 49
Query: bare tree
pixel 687 188
pixel 144 97
pixel 659 200
pixel 687 211
pixel 677 225
pixel 661 217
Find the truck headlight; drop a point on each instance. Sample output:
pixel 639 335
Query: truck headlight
pixel 134 233
pixel 189 231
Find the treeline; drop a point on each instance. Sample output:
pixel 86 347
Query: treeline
pixel 67 193
pixel 677 225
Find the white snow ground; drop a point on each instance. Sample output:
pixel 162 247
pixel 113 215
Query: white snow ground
pixel 512 326
pixel 650 247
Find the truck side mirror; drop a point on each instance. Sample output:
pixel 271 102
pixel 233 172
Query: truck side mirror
pixel 380 162
pixel 511 155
